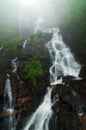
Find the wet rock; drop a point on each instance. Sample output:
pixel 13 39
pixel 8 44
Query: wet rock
pixel 73 91
pixel 74 98
pixel 73 42
pixel 83 72
pixel 72 94
pixel 67 79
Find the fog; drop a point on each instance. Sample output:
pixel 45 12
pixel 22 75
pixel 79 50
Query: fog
pixel 28 13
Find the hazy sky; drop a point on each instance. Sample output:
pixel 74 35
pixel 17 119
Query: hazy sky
pixel 27 12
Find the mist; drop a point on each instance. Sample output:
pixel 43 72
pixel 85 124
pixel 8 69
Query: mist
pixel 30 13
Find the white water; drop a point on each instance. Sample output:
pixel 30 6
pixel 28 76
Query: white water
pixel 63 63
pixel 40 119
pixel 1 47
pixel 62 59
pixel 9 105
pixel 14 64
pixel 24 44
pixel 8 98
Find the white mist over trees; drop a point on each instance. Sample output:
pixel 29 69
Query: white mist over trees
pixel 27 12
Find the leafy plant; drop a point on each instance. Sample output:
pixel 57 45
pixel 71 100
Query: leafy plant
pixel 33 70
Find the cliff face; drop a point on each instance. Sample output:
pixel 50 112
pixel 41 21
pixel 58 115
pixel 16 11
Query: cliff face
pixel 21 86
pixel 28 96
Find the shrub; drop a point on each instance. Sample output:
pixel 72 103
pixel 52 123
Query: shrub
pixel 33 70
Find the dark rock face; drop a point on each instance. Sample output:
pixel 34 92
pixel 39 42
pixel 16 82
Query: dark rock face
pixel 72 90
pixel 83 72
pixel 72 93
pixel 27 97
pixel 72 102
pixel 77 47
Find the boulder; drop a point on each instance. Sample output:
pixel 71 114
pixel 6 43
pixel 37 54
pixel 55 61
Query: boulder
pixel 72 91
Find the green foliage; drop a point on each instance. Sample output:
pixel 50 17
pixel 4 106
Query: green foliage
pixel 9 37
pixel 12 44
pixel 33 70
pixel 75 20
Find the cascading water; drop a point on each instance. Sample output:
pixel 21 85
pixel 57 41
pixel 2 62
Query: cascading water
pixel 62 59
pixel 9 105
pixel 14 62
pixel 8 98
pixel 63 63
pixel 40 119
pixel 24 44
pixel 1 47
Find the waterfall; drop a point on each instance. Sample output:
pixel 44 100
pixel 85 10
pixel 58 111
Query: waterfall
pixel 24 44
pixel 1 47
pixel 63 63
pixel 9 105
pixel 14 64
pixel 40 119
pixel 8 98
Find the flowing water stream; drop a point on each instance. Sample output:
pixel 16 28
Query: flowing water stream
pixel 40 119
pixel 9 105
pixel 1 47
pixel 14 64
pixel 24 44
pixel 8 98
pixel 63 63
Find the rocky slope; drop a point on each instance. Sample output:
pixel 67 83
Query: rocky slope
pixel 28 96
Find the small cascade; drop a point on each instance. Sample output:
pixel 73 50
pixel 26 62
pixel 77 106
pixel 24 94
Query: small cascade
pixel 63 63
pixel 40 119
pixel 9 105
pixel 14 64
pixel 8 98
pixel 1 47
pixel 24 44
